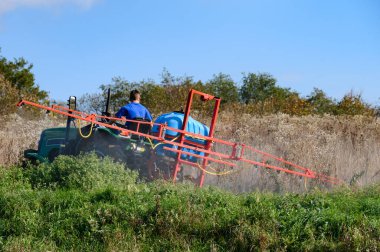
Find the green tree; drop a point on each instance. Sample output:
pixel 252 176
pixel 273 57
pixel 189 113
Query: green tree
pixel 257 87
pixel 261 95
pixel 222 85
pixel 285 100
pixel 320 103
pixel 153 96
pixel 19 73
pixel 96 102
pixel 120 89
pixel 177 89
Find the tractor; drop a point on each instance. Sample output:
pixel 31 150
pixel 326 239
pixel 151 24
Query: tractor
pixel 135 150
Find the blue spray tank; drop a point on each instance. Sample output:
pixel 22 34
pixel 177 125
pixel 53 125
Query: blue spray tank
pixel 175 120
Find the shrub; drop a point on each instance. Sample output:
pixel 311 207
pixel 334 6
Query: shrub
pixel 352 104
pixel 84 172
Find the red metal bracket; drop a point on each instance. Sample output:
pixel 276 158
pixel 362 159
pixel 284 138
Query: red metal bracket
pixel 204 97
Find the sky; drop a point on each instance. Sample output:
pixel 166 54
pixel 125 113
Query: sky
pixel 77 45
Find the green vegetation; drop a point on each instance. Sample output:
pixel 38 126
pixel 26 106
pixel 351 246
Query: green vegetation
pixel 86 204
pixel 16 82
pixel 259 94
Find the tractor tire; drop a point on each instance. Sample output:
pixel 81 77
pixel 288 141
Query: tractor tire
pixel 102 147
pixel 53 154
pixel 27 162
pixel 94 144
pixel 161 167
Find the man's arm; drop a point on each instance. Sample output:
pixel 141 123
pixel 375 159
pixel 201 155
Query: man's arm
pixel 148 116
pixel 122 112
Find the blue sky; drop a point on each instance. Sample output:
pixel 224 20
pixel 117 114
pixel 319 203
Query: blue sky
pixel 77 45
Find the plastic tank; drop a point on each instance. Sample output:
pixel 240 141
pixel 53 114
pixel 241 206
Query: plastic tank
pixel 175 120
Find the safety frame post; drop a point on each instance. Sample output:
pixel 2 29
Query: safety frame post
pixel 208 146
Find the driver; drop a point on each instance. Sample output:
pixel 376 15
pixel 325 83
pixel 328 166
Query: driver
pixel 134 109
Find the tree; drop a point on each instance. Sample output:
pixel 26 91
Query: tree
pixel 8 97
pixel 353 104
pixel 19 74
pixel 120 89
pixel 286 101
pixel 321 104
pixel 257 87
pixel 263 96
pixel 16 82
pixel 96 102
pixel 167 78
pixel 176 91
pixel 222 85
pixel 153 96
pixel 92 103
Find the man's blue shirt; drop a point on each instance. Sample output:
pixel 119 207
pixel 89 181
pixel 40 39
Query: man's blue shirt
pixel 134 110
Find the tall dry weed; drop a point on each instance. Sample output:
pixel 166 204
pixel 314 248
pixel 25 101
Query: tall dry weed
pixel 18 134
pixel 344 147
pixel 9 96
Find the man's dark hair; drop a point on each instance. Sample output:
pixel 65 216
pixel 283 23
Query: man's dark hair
pixel 133 95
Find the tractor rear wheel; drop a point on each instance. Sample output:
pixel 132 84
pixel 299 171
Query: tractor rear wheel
pixel 94 144
pixel 160 167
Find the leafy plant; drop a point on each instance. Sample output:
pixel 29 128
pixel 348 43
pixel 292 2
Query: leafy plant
pixel 53 208
pixel 85 173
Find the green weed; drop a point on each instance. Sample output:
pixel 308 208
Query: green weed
pixel 87 204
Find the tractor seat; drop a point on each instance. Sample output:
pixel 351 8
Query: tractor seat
pixel 144 128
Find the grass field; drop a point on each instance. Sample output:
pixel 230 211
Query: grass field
pixel 86 204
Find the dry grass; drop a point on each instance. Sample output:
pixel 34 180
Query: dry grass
pixel 18 134
pixel 345 147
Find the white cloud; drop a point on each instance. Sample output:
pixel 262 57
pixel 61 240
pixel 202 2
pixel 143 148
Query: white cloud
pixel 9 5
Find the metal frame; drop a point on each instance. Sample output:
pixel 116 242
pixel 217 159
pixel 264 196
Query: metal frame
pixel 204 97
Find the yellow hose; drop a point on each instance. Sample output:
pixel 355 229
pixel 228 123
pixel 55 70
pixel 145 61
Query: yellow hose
pixel 154 146
pixel 216 173
pixel 80 130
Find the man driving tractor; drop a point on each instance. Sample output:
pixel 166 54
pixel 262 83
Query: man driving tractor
pixel 134 110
